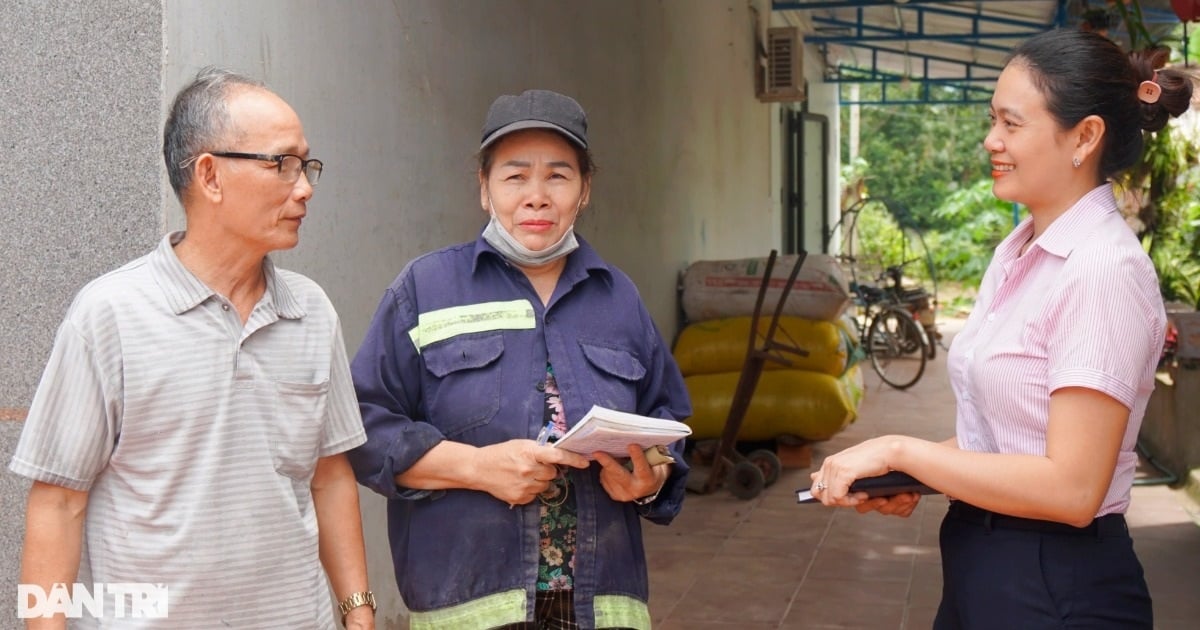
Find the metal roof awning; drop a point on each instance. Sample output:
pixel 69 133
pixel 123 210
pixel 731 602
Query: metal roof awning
pixel 952 51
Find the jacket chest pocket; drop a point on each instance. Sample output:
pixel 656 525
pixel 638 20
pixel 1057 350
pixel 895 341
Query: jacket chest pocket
pixel 294 426
pixel 616 372
pixel 465 392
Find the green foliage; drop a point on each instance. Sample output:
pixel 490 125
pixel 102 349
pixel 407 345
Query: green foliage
pixel 881 241
pixel 1178 275
pixel 958 253
pixel 877 240
pixel 1173 216
pixel 928 161
pixel 979 221
pixel 918 154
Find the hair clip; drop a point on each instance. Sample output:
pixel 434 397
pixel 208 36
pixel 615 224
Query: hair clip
pixel 1149 91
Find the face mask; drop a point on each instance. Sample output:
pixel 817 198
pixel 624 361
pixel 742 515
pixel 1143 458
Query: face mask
pixel 514 251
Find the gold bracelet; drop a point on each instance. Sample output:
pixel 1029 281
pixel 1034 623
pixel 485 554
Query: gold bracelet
pixel 362 598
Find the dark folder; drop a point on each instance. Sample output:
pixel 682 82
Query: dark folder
pixel 887 485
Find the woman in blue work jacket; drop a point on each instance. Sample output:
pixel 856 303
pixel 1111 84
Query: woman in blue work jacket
pixel 478 348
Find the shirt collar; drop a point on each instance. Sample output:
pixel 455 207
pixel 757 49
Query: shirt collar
pixel 286 304
pixel 1064 232
pixel 1078 221
pixel 1010 247
pixel 184 291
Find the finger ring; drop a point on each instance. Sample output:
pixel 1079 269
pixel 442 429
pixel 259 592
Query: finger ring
pixel 821 486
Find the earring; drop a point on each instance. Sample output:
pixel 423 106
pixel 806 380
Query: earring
pixel 1075 162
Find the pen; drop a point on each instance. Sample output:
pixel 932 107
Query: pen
pixel 544 434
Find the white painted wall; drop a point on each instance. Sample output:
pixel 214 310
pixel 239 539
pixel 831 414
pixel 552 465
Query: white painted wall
pixel 393 94
pixel 823 99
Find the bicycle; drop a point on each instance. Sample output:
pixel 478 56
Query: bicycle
pixel 917 301
pixel 895 344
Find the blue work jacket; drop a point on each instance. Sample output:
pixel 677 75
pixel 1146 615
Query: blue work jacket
pixel 458 351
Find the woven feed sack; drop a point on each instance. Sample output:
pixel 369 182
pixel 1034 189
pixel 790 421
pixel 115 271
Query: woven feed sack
pixel 852 386
pixel 720 345
pixel 713 289
pixel 810 405
pixel 846 322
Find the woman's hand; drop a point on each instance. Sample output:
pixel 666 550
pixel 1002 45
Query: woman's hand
pixel 623 485
pixel 897 505
pixel 831 484
pixel 517 471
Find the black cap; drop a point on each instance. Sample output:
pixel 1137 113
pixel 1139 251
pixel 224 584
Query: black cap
pixel 535 109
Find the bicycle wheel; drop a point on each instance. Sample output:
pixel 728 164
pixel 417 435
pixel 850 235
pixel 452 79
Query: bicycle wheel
pixel 896 358
pixel 924 338
pixel 910 343
pixel 931 340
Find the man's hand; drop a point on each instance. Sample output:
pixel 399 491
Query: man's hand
pixel 622 484
pixel 340 537
pixel 361 618
pixel 517 471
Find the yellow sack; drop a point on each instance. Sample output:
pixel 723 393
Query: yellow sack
pixel 810 405
pixel 719 345
pixel 852 385
pixel 849 326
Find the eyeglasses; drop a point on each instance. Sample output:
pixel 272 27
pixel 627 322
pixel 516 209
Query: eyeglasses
pixel 288 165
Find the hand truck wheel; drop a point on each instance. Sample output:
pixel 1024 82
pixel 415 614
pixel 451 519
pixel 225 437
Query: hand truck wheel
pixel 746 480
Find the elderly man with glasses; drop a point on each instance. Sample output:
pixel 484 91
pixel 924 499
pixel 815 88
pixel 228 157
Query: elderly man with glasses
pixel 189 431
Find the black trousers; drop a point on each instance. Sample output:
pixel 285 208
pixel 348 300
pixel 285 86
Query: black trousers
pixel 1001 572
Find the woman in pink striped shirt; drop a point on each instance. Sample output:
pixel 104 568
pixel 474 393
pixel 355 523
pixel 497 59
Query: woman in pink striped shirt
pixel 1055 365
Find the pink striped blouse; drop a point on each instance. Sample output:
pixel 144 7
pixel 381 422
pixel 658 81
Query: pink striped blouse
pixel 1081 308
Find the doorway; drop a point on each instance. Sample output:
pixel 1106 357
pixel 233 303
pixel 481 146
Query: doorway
pixel 805 181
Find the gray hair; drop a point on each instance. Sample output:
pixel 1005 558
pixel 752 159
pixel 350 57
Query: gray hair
pixel 197 120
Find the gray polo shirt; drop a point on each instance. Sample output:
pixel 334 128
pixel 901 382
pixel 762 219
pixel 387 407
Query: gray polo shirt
pixel 197 438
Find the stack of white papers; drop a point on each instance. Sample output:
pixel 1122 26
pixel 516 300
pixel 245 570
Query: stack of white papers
pixel 612 432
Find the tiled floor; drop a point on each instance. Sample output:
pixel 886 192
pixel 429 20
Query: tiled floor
pixel 770 563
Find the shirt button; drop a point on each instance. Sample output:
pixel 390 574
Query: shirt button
pixel 541 386
pixel 991 317
pixel 224 307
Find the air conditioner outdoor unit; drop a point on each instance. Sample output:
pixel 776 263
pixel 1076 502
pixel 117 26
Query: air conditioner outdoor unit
pixel 782 73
